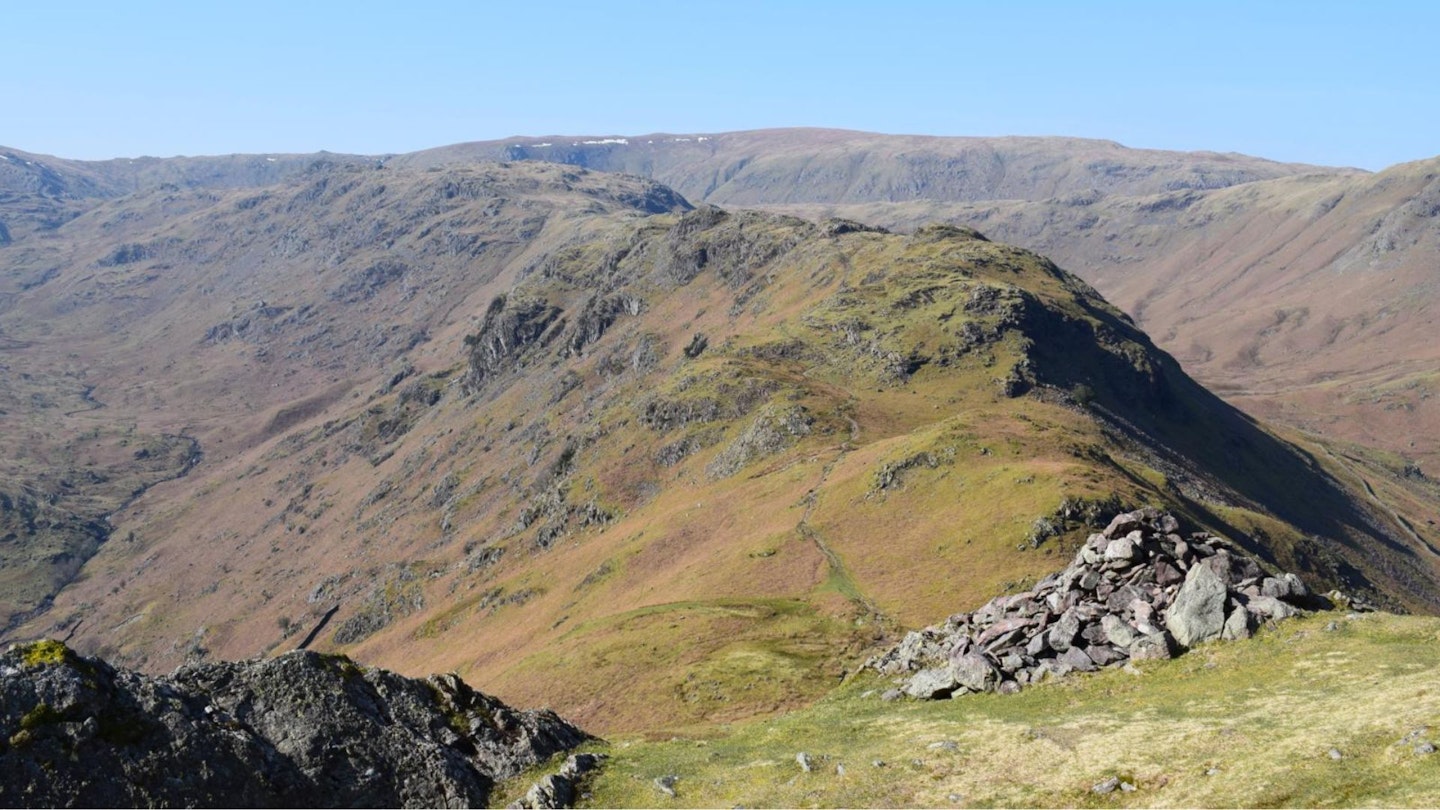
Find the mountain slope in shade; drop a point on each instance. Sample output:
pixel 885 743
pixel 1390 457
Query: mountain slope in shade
pixel 686 463
pixel 840 166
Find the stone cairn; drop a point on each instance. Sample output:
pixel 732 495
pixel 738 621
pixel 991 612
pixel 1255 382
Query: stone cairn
pixel 1138 590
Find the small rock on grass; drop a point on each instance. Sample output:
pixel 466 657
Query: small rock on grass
pixel 577 765
pixel 944 745
pixel 1414 736
pixel 1425 748
pixel 806 763
pixel 1335 754
pixel 1111 785
pixel 666 784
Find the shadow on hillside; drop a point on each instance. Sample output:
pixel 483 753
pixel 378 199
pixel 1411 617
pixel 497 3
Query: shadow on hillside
pixel 1212 452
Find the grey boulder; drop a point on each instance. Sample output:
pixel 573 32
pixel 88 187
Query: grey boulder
pixel 1198 612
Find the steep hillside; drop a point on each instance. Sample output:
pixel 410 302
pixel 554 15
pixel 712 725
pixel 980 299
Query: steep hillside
pixel 839 166
pixel 1309 300
pixel 168 323
pixel 689 465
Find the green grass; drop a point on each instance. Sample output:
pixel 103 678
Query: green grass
pixel 702 661
pixel 1242 724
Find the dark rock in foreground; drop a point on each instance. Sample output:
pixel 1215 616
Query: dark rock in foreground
pixel 301 730
pixel 1134 591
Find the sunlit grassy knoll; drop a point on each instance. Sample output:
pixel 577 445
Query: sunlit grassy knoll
pixel 1231 724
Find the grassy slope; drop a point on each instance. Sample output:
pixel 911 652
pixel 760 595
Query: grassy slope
pixel 1245 724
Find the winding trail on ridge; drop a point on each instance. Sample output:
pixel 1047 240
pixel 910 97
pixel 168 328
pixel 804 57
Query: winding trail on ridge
pixel 845 583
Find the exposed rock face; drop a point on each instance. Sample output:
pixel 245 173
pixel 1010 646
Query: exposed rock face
pixel 510 325
pixel 301 730
pixel 1138 590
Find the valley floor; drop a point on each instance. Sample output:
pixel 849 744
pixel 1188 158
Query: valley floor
pixel 1332 709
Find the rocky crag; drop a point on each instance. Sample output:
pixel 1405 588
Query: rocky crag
pixel 1138 590
pixel 301 730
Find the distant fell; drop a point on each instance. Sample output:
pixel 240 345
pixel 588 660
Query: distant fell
pixel 38 193
pixel 839 166
pixel 257 308
pixel 25 172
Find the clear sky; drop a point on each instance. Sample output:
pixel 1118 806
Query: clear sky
pixel 1332 83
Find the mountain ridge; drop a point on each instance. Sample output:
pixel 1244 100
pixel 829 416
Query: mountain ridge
pixel 810 165
pixel 1068 185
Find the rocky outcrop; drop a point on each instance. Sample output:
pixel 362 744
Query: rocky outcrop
pixel 1137 590
pixel 773 429
pixel 511 324
pixel 301 730
pixel 560 789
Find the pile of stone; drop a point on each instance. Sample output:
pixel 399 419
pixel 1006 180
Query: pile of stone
pixel 1138 590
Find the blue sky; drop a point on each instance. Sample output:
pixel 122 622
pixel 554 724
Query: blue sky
pixel 1331 83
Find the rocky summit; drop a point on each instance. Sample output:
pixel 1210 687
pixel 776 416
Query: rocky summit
pixel 1137 590
pixel 300 730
